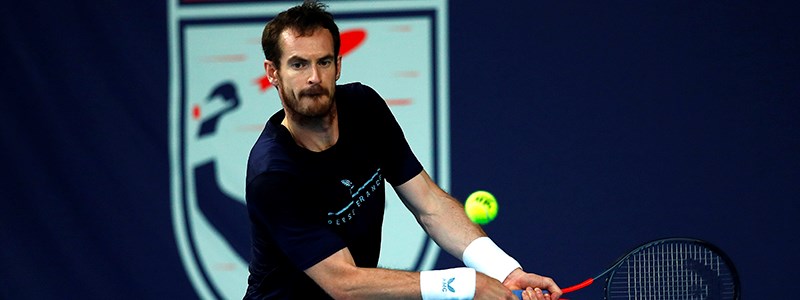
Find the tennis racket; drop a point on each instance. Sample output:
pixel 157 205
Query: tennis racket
pixel 672 268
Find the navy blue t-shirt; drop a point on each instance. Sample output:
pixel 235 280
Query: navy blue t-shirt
pixel 305 205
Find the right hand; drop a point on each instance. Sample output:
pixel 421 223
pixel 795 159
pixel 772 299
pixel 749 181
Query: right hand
pixel 489 288
pixel 535 294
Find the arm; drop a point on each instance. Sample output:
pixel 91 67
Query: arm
pixel 444 219
pixel 441 215
pixel 342 279
pixel 339 276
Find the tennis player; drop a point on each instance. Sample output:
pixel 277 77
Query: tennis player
pixel 315 188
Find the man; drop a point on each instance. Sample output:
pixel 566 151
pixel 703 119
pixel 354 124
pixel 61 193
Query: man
pixel 315 188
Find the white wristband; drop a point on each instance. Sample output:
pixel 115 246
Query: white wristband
pixel 456 283
pixel 484 256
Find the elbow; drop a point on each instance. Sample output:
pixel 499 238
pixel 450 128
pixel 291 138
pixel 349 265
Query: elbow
pixel 344 292
pixel 426 221
pixel 340 290
pixel 437 213
pixel 345 288
pixel 339 294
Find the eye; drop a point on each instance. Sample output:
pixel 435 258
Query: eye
pixel 297 65
pixel 326 62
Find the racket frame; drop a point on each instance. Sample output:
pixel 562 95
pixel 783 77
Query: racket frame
pixel 615 267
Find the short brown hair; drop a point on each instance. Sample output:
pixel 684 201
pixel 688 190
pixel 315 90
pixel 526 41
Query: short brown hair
pixel 304 19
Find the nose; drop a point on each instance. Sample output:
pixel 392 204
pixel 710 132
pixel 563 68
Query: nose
pixel 314 77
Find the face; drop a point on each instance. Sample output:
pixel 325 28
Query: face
pixel 308 72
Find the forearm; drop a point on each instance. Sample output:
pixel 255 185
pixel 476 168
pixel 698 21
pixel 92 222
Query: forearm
pixel 444 219
pixel 448 225
pixel 441 215
pixel 342 279
pixel 465 240
pixel 373 283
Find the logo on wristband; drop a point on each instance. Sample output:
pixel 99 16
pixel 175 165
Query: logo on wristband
pixel 446 285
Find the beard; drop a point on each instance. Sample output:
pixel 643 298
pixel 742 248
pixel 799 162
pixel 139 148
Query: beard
pixel 311 103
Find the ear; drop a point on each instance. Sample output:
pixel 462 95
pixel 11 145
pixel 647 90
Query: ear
pixel 272 72
pixel 338 67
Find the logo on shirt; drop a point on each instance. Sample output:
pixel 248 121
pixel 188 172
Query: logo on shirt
pixel 358 195
pixel 220 101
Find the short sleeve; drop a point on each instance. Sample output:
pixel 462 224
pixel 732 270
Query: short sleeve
pixel 399 160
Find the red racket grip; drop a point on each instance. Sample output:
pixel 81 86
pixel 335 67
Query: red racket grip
pixel 571 289
pixel 578 286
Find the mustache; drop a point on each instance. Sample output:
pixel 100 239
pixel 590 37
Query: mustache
pixel 314 91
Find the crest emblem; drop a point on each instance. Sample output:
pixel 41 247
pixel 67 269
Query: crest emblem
pixel 220 100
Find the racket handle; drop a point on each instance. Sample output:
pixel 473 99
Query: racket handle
pixel 518 293
pixel 571 289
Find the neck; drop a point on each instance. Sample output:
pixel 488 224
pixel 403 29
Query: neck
pixel 313 133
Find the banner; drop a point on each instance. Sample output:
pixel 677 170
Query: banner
pixel 220 99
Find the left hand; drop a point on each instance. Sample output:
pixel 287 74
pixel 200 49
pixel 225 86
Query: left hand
pixel 532 284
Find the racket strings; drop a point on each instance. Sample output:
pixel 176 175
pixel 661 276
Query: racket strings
pixel 672 271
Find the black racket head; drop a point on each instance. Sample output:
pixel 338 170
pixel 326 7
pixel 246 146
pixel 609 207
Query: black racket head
pixel 674 268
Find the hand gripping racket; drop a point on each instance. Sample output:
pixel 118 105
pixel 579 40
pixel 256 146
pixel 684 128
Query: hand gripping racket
pixel 672 268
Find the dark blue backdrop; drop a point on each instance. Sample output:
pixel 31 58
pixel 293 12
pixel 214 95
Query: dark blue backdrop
pixel 597 125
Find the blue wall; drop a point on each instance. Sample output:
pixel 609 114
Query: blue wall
pixel 603 125
pixel 598 127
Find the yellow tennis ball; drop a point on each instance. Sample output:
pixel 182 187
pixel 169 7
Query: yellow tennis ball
pixel 481 207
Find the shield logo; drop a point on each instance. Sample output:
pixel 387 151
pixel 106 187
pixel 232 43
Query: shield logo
pixel 220 100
